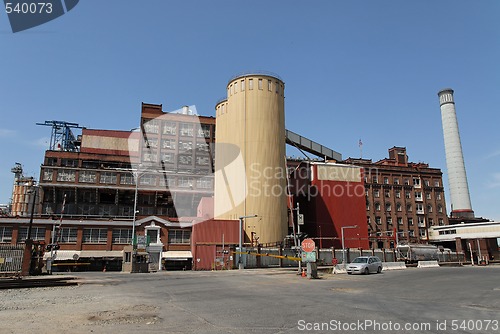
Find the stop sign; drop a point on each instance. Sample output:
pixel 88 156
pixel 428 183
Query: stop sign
pixel 308 245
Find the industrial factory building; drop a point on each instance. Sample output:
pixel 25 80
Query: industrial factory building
pixel 179 186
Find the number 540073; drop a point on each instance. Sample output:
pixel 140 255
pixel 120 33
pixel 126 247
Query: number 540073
pixel 29 7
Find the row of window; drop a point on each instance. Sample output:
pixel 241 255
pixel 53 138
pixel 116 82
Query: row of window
pixel 240 86
pixel 399 221
pixel 406 181
pixel 419 207
pixel 182 159
pixel 65 175
pixel 397 194
pixel 90 235
pixel 170 128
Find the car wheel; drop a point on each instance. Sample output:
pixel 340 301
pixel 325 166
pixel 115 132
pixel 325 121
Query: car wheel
pixel 349 273
pixel 367 271
pixel 379 270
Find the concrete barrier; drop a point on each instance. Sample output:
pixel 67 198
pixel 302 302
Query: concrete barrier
pixel 393 265
pixel 427 264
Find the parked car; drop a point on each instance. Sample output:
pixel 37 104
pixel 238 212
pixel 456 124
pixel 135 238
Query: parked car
pixel 365 265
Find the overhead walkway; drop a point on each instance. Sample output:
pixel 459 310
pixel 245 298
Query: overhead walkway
pixel 310 146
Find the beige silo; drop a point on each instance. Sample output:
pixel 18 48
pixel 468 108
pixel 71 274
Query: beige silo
pixel 250 176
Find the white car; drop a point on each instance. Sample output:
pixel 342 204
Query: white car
pixel 365 265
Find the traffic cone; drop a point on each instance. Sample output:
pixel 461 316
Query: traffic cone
pixel 303 272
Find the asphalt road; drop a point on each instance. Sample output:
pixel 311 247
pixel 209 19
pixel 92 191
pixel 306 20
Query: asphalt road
pixel 262 301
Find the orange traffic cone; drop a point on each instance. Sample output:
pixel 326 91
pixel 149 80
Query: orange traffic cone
pixel 303 272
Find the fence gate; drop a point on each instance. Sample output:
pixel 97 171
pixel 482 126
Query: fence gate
pixel 11 259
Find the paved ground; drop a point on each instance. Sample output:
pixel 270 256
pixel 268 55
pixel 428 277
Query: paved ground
pixel 260 301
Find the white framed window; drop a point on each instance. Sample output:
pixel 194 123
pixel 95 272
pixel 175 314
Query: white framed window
pixel 86 176
pixel 436 183
pixel 242 85
pixel 396 180
pixel 150 125
pixel 376 193
pixel 387 194
pixel 66 175
pixel 179 236
pixel 410 221
pixel 386 180
pixel 122 236
pixel 399 207
pixel 398 194
pixel 429 208
pixel 186 129
pixel 250 84
pixel 377 206
pixel 441 222
pixel 438 196
pixel 440 208
pixel 418 195
pixel 108 178
pixel 37 233
pixel 168 157
pixel 260 84
pixel 388 207
pixel 169 128
pixel 47 174
pixel 68 235
pixel 6 234
pixel 95 235
pixel 428 195
pixel 408 194
pixel 416 182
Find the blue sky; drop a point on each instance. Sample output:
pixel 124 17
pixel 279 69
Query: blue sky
pixel 353 69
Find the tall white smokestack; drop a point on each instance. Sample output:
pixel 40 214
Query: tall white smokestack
pixel 457 178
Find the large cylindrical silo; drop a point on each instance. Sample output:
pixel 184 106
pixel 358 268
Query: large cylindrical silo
pixel 250 174
pixel 457 177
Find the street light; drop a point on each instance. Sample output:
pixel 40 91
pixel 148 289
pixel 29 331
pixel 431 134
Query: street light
pixel 343 243
pixel 240 264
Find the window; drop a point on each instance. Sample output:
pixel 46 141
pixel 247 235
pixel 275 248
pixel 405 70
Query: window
pixel 201 147
pixel 269 84
pixel 378 221
pixel 411 233
pixel 147 180
pixel 440 208
pixel 407 182
pixel 86 176
pixel 37 233
pixel 377 206
pixel 387 206
pixel 429 208
pixel 202 160
pixel 231 89
pixel 6 234
pixel 396 180
pixel 122 236
pixel 68 235
pixel 242 85
pixel 179 236
pixel 375 179
pixel 127 178
pixel 108 178
pixel 186 129
pixel 376 193
pixel 367 206
pixel 416 182
pixel 47 174
pixel 170 128
pixel 428 195
pixel 168 157
pixel 418 195
pixel 148 157
pixel 69 163
pixel 185 146
pixel 422 233
pixel 441 222
pixel 65 175
pixel 409 208
pixel 420 208
pixel 250 84
pixel 410 221
pixel 204 131
pixel 151 143
pixel 150 125
pixel 185 159
pixel 386 180
pixel 204 183
pixel 398 194
pixel 400 220
pixel 389 220
pixel 387 194
pixel 438 195
pixel 185 182
pixel 436 183
pixel 260 84
pixel 399 207
pixel 277 87
pixel 95 235
pixel 431 222
pixel 427 183
pixel 408 194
